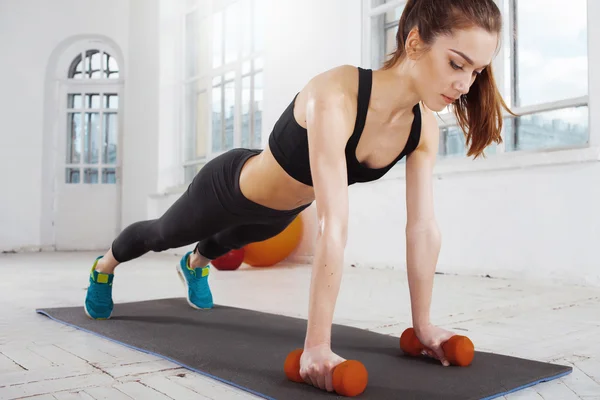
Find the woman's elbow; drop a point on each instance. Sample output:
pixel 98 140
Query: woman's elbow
pixel 428 228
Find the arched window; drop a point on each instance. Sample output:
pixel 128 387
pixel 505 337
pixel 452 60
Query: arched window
pixel 92 118
pixel 94 64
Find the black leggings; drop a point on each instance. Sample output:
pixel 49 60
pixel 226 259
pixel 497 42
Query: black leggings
pixel 213 212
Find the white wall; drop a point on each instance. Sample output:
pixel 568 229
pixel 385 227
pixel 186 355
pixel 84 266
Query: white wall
pixel 30 31
pixel 140 144
pixel 171 62
pixel 540 222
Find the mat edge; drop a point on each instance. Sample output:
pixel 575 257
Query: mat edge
pixel 548 379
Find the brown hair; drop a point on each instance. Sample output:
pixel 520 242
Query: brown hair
pixel 479 112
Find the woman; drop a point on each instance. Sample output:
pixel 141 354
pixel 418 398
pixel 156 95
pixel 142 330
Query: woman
pixel 346 125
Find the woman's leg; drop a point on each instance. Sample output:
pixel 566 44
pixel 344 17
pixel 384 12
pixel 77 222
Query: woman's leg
pixel 239 236
pixel 108 263
pixel 197 214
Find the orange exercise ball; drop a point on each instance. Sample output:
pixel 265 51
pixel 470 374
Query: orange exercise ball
pixel 275 249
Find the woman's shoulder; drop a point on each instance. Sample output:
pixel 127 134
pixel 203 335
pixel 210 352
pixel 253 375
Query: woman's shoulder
pixel 340 80
pixel 338 85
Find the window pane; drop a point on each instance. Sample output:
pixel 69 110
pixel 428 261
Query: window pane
pixel 217 39
pixel 232 35
pixel 246 67
pixel 190 171
pixel 76 68
pixel 90 175
pixel 109 145
pixel 452 142
pixel 190 123
pixel 246 27
pixel 376 3
pixel 110 67
pixel 93 65
pixel 507 38
pixel 390 40
pixel 383 35
pixel 92 100
pixel 217 118
pixel 551 50
pixel 258 63
pixel 201 124
pixel 551 129
pixel 73 138
pixel 229 114
pixel 109 175
pixel 74 101
pixel 258 23
pixel 111 101
pixel 72 175
pixel 191 42
pixel 203 41
pixel 257 109
pixel 246 128
pixel 377 41
pixel 91 138
pixel 393 16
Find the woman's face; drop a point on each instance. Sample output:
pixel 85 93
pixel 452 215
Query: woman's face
pixel 448 69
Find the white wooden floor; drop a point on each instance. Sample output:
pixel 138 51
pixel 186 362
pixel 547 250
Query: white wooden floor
pixel 42 359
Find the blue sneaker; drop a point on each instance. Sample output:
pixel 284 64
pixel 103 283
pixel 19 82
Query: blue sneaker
pixel 98 300
pixel 196 281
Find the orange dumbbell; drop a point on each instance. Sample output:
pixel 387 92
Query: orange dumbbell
pixel 459 350
pixel 349 378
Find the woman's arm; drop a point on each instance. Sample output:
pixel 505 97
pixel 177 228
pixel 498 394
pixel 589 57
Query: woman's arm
pixel 423 239
pixel 330 118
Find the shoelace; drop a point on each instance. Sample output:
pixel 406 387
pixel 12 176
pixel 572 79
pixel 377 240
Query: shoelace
pixel 197 282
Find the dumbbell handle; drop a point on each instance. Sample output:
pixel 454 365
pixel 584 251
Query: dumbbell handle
pixel 459 350
pixel 349 377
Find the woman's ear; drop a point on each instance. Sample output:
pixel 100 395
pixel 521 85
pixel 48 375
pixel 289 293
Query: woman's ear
pixel 414 45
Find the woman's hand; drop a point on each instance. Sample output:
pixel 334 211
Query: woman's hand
pixel 433 337
pixel 317 364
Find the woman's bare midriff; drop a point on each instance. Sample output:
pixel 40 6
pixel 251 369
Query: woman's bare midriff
pixel 263 181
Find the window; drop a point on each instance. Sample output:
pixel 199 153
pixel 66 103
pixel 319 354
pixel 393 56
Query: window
pixel 383 22
pixel 91 113
pixel 93 64
pixel 548 69
pixel 223 79
pixel 551 115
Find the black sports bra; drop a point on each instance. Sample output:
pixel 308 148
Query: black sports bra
pixel 289 142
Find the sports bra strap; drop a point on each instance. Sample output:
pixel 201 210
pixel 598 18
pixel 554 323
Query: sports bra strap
pixel 365 83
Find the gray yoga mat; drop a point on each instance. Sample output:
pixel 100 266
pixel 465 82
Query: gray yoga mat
pixel 247 349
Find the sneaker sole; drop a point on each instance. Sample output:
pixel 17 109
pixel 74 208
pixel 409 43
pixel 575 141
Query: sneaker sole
pixel 186 284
